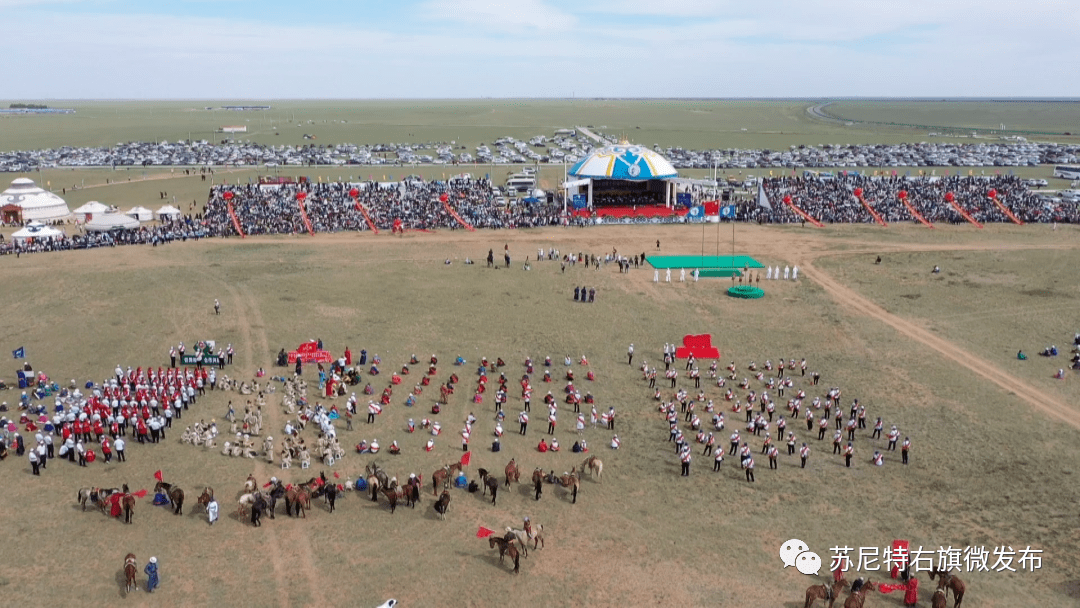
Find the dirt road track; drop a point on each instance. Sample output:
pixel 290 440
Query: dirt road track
pixel 1040 400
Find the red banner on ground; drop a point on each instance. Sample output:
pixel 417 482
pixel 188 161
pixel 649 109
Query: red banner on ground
pixel 235 221
pixel 450 210
pixel 303 215
pixel 873 214
pixel 367 218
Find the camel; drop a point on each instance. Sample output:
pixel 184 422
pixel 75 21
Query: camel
pixel 826 593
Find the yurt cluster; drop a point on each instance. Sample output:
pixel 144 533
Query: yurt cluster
pixel 37 210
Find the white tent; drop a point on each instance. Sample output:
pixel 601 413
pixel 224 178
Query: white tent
pixel 89 210
pixel 37 204
pixel 141 213
pixel 35 230
pixel 167 212
pixel 111 221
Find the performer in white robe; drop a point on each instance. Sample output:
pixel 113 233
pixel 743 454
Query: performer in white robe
pixel 212 511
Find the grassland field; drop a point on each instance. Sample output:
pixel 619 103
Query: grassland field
pixel 693 124
pixel 995 439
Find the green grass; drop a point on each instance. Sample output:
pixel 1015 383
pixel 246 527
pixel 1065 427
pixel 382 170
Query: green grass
pixel 1046 117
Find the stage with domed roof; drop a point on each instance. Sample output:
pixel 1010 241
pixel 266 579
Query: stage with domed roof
pixel 627 179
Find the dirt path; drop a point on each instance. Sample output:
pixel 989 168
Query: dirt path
pixel 287 535
pixel 1040 400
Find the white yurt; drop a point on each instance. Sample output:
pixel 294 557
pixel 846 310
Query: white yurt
pixel 35 230
pixel 141 213
pixel 89 210
pixel 37 204
pixel 111 221
pixel 166 213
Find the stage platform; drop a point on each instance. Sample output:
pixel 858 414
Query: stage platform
pixel 690 262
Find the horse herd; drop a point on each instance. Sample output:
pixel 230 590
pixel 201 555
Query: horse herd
pixel 829 593
pixel 258 501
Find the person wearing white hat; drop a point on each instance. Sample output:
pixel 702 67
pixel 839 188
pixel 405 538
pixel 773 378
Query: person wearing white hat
pixel 630 355
pixel 152 575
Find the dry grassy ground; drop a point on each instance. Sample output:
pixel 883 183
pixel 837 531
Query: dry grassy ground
pixel 992 463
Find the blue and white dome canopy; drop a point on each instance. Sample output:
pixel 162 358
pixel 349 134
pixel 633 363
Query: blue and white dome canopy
pixel 624 161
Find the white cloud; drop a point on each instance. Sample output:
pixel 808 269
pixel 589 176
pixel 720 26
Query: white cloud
pixel 516 15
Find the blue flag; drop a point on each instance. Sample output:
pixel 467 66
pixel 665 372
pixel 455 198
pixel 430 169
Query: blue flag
pixel 727 211
pixel 696 212
pixel 19 353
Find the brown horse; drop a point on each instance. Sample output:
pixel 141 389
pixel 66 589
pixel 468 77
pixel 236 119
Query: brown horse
pixel 506 547
pixel 538 475
pixel 856 598
pixel 442 504
pixel 940 598
pixel 299 500
pixel 206 497
pixel 377 479
pixel 950 583
pixel 594 465
pixel 392 496
pixel 825 593
pixel 130 569
pixel 176 495
pixel 490 483
pixel 512 473
pixel 128 502
pixel 440 478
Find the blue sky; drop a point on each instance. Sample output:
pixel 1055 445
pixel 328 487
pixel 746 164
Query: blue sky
pixel 213 49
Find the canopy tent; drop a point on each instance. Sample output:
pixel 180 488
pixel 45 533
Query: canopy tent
pixel 36 203
pixel 167 212
pixel 89 210
pixel 627 170
pixel 111 221
pixel 36 230
pixel 141 213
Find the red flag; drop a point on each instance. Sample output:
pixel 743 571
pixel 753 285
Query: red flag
pixel 140 493
pixel 466 458
pixel 266 485
pixel 158 475
pixel 336 476
pixel 341 487
pixel 484 532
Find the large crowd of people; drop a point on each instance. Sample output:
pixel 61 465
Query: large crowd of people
pixel 833 200
pixel 331 207
pixel 417 205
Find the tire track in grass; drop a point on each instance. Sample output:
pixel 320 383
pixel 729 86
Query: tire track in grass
pixel 1042 401
pixel 258 348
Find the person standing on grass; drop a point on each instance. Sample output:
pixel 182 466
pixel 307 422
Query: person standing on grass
pixel 152 575
pixel 849 451
pixel 212 510
pixel 804 453
pixel 904 449
pixel 748 465
pixel 686 461
pixel 630 355
pixel 894 434
pixel 217 307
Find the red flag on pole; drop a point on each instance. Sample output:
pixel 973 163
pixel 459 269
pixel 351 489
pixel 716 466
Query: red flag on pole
pixel 158 475
pixel 466 458
pixel 484 532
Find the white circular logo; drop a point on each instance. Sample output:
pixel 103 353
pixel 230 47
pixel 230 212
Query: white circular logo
pixel 633 170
